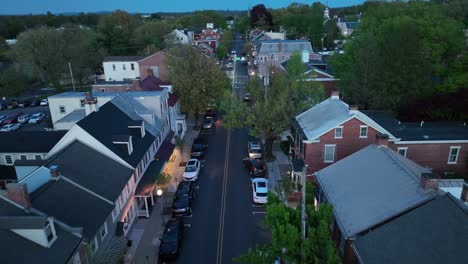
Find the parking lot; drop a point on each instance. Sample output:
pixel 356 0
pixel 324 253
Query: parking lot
pixel 30 110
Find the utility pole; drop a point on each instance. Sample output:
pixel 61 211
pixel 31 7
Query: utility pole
pixel 71 74
pixel 303 208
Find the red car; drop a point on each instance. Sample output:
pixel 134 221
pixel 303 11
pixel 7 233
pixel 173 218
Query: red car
pixel 13 118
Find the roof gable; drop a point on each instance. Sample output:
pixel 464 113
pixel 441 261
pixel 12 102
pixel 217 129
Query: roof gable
pixel 110 121
pixel 371 186
pixel 31 141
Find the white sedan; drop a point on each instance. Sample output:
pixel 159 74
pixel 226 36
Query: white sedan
pixel 44 102
pixel 36 118
pixel 192 170
pixel 260 190
pixel 10 127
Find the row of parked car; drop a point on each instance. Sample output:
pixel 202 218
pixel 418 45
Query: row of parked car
pixel 257 169
pixel 173 234
pixel 14 121
pixel 26 103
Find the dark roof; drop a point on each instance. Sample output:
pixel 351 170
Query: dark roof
pixel 18 249
pixel 72 205
pixel 123 58
pixel 7 173
pixel 104 82
pixel 31 141
pixel 151 83
pixel 22 222
pixel 36 163
pixel 92 170
pixel 146 184
pixel 110 121
pixel 312 65
pixel 413 131
pixel 436 232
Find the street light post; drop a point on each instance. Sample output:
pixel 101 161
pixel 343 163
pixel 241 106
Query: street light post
pixel 159 193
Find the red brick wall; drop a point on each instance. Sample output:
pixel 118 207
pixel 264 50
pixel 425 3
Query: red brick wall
pixel 436 156
pixel 345 146
pixel 155 60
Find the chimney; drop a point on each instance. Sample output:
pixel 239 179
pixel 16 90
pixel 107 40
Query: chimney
pixel 335 95
pixel 464 194
pixel 54 171
pixel 135 85
pixel 90 103
pixel 18 192
pixel 429 181
pixel 149 72
pixel 381 139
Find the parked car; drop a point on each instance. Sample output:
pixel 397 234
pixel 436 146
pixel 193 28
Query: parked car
pixel 13 118
pixel 24 118
pixel 198 148
pixel 247 97
pixel 208 122
pixel 10 127
pixel 36 118
pixel 35 103
pixel 24 103
pixel 171 239
pixel 44 102
pixel 12 105
pixel 4 104
pixel 254 149
pixel 182 203
pixel 260 190
pixel 256 167
pixel 3 117
pixel 192 170
pixel 210 112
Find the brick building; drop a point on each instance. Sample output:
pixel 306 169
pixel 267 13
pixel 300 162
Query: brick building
pixel 332 130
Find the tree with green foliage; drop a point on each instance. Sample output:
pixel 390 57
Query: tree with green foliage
pixel 241 24
pixel 225 43
pixel 402 51
pixel 116 31
pixel 150 36
pixel 46 52
pixel 274 104
pixel 12 81
pixel 260 17
pixel 284 223
pixel 196 79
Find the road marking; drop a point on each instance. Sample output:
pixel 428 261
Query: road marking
pixel 223 201
pixel 254 213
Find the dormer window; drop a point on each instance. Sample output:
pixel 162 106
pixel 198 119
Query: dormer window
pixel 124 141
pixel 49 233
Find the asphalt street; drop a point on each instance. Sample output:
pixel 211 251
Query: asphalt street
pixel 224 223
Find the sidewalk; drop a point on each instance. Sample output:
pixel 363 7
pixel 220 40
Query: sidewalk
pixel 277 168
pixel 147 231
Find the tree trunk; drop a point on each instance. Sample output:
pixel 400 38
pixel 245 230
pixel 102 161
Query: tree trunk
pixel 269 148
pixel 196 126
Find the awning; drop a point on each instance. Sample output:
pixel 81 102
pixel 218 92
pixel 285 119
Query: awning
pixel 146 184
pixel 166 148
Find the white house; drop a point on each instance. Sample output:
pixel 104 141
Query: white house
pixel 120 68
pixel 178 36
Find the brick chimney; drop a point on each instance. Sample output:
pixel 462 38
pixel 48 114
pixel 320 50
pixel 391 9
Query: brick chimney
pixel 335 95
pixel 18 192
pixel 54 171
pixel 381 139
pixel 464 194
pixel 429 181
pixel 90 103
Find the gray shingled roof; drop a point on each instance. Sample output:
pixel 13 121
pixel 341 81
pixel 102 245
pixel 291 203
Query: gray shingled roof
pixel 436 232
pixel 413 131
pixel 95 171
pixel 285 46
pixel 123 58
pixel 31 141
pixel 22 222
pixel 371 186
pixel 18 249
pixel 72 205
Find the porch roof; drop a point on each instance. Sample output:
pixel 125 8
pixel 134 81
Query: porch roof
pixel 146 184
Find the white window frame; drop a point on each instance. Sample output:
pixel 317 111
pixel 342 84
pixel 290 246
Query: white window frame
pixel 325 153
pixel 25 157
pixel 360 131
pixel 336 130
pixel 403 148
pixel 64 110
pixel 105 233
pixel 38 157
pixel 456 156
pixel 10 158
